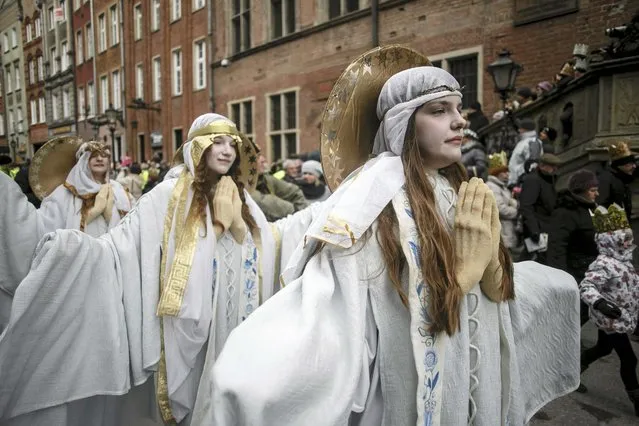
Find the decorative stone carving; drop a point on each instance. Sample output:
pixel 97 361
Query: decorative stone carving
pixel 625 101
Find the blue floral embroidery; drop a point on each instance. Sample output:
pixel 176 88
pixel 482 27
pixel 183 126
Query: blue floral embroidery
pixel 431 376
pixel 250 283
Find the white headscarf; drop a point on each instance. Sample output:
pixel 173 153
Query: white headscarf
pixel 380 179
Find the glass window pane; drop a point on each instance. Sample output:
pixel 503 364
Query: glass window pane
pixel 276 18
pixel 352 5
pixel 276 112
pixel 276 147
pixel 248 117
pixel 290 16
pixel 236 6
pixel 237 35
pixel 291 112
pixel 291 144
pixel 464 69
pixel 334 8
pixel 246 30
pixel 235 115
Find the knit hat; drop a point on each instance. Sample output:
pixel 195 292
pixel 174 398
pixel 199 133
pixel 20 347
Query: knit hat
pixel 581 181
pixel 525 92
pixel 550 159
pixel 312 167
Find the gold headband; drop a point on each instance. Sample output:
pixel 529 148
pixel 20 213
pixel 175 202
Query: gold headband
pixel 217 127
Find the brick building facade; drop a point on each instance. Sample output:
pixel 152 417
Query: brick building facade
pixel 109 70
pixel 32 29
pixel 166 61
pixel 84 54
pixel 281 58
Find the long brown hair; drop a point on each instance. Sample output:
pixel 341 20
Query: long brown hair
pixel 436 242
pixel 203 188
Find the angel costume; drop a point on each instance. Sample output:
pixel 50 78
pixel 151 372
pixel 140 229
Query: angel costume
pixel 96 320
pixel 336 346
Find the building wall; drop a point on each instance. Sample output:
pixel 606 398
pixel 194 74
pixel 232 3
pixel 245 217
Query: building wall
pixel 38 131
pixel 12 57
pixel 107 62
pixel 60 79
pixel 311 59
pixel 84 66
pixel 177 111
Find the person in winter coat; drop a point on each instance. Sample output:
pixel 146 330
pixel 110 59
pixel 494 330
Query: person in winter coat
pixel 313 185
pixel 507 205
pixel 473 155
pixel 571 241
pixel 529 147
pixel 611 289
pixel 614 180
pixel 276 198
pixel 476 117
pixel 547 136
pixel 537 200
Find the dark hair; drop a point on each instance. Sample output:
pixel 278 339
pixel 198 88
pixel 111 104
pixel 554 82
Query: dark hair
pixel 476 106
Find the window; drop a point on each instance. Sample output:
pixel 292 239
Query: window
pixel 177 138
pixel 465 65
pixel 141 148
pixel 157 79
pixel 137 21
pixel 102 43
pixel 89 32
pixel 283 124
pixel 116 95
pixel 176 10
pixel 90 100
pixel 54 61
pixel 38 27
pixel 115 30
pixel 40 69
pixel 14 38
pixel 241 113
pixel 20 120
pixel 155 23
pixel 29 33
pixel 32 76
pixel 81 104
pixel 5 43
pixel 241 25
pixel 16 71
pixel 1 125
pixel 10 121
pixel 9 83
pixel 282 17
pixel 104 94
pixel 199 65
pixel 65 55
pixel 34 112
pixel 79 48
pixel 66 104
pixel 77 4
pixel 340 7
pixel 198 4
pixel 51 18
pixel 139 81
pixel 54 106
pixel 177 72
pixel 42 106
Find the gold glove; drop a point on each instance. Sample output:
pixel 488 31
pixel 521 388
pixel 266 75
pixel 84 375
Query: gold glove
pixel 473 245
pixel 238 227
pixel 103 204
pixel 491 280
pixel 223 205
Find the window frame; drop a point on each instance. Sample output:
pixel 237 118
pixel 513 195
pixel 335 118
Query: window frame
pixel 284 15
pixel 38 26
pixel 14 38
pixel 478 50
pixel 156 93
pixel 81 103
pixel 42 109
pixel 64 56
pixel 116 90
pixel 282 132
pixel 8 85
pixel 114 24
pixel 102 33
pixel 139 80
pixel 91 101
pixel 33 112
pixel 40 62
pixel 104 100
pixel 244 44
pixel 156 15
pixel 16 71
pixel 79 47
pixel 240 122
pixel 176 12
pixel 177 71
pixel 29 33
pixel 90 44
pixel 51 18
pixel 55 114
pixel 32 69
pixel 66 103
pixel 198 4
pixel 196 63
pixel 137 21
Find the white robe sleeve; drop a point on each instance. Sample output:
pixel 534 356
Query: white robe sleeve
pixel 299 359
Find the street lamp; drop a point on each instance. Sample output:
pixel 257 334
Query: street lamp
pixel 504 72
pixel 112 117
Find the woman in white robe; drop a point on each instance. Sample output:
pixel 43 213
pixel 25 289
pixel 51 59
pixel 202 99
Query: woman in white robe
pixel 381 323
pixel 87 200
pixel 155 298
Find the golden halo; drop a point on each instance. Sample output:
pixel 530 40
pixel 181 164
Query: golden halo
pixel 349 121
pixel 52 163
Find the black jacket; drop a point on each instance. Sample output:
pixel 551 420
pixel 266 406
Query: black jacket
pixel 571 241
pixel 477 121
pixel 614 187
pixel 537 202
